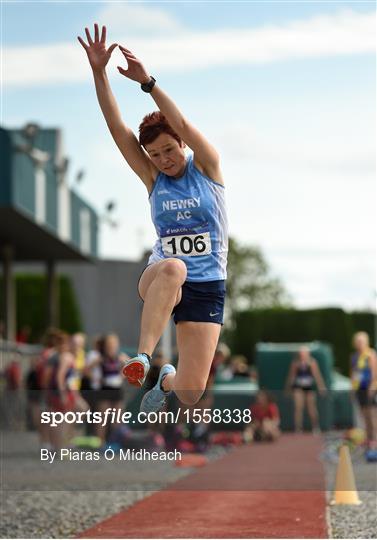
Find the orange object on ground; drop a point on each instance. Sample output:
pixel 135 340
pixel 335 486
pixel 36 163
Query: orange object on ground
pixel 345 491
pixel 259 491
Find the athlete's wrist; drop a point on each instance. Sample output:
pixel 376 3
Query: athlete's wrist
pixel 99 74
pixel 145 79
pixel 148 85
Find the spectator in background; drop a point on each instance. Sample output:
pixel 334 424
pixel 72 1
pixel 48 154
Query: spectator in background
pixel 302 377
pixel 13 413
pixel 253 374
pixel 265 418
pixel 78 350
pixel 239 366
pixel 220 368
pixel 23 335
pixel 91 381
pixel 111 362
pixel 60 396
pixel 364 382
pixel 34 396
pixel 35 389
pixel 92 370
pixel 13 374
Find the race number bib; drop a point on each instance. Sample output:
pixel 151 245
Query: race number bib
pixel 189 245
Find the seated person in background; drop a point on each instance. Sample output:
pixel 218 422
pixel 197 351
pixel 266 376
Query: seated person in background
pixel 265 419
pixel 239 365
pixel 220 368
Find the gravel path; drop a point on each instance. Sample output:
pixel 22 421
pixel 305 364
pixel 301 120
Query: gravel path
pixel 347 521
pixel 59 514
pixel 355 521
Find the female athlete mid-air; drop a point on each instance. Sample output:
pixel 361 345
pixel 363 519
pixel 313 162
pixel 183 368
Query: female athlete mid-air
pixel 186 271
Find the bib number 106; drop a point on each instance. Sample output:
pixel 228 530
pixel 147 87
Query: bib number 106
pixel 189 245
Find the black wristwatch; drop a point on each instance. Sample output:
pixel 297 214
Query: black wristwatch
pixel 147 87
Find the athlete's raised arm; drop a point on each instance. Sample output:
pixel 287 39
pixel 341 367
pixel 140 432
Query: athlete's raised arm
pixel 123 136
pixel 205 155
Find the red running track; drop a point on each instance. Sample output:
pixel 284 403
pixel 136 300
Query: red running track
pixel 255 491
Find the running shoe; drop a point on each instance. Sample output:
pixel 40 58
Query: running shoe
pixel 155 399
pixel 136 369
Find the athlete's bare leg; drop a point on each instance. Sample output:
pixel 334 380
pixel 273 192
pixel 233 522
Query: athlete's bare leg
pixel 299 402
pixel 160 288
pixel 196 343
pixel 311 403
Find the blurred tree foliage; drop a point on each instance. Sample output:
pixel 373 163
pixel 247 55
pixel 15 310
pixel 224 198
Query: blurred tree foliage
pixel 250 284
pixel 31 304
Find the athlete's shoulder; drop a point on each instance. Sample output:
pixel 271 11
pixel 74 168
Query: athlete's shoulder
pixel 213 174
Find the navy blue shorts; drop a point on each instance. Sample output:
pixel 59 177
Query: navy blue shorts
pixel 201 302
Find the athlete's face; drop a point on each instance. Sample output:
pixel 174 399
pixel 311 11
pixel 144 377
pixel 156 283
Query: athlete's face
pixel 111 345
pixel 360 341
pixel 303 354
pixel 168 155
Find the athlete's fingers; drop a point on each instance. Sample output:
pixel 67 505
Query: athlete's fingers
pixel 83 43
pixel 123 71
pixel 112 47
pixel 131 59
pixel 90 41
pixel 103 34
pixel 126 51
pixel 127 54
pixel 96 33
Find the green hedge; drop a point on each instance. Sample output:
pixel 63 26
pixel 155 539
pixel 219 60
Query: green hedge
pixel 331 325
pixel 31 304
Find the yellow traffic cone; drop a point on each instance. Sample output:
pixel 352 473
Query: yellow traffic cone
pixel 345 487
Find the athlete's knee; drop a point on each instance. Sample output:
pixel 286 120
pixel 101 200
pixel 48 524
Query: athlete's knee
pixel 190 397
pixel 173 270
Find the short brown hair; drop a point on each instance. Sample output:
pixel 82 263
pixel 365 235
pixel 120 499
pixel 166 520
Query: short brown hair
pixel 62 338
pixel 152 126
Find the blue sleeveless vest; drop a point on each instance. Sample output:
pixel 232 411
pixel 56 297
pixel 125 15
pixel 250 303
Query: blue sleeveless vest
pixel 190 219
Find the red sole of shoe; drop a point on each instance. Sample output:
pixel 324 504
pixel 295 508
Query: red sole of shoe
pixel 134 373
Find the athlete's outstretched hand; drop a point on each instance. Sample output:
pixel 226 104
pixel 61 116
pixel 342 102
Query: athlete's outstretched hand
pixel 136 71
pixel 96 50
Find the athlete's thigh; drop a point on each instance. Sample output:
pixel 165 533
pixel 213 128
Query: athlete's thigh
pixel 149 275
pixel 196 342
pixel 298 397
pixel 311 400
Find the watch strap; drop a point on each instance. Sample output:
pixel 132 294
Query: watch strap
pixel 147 87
